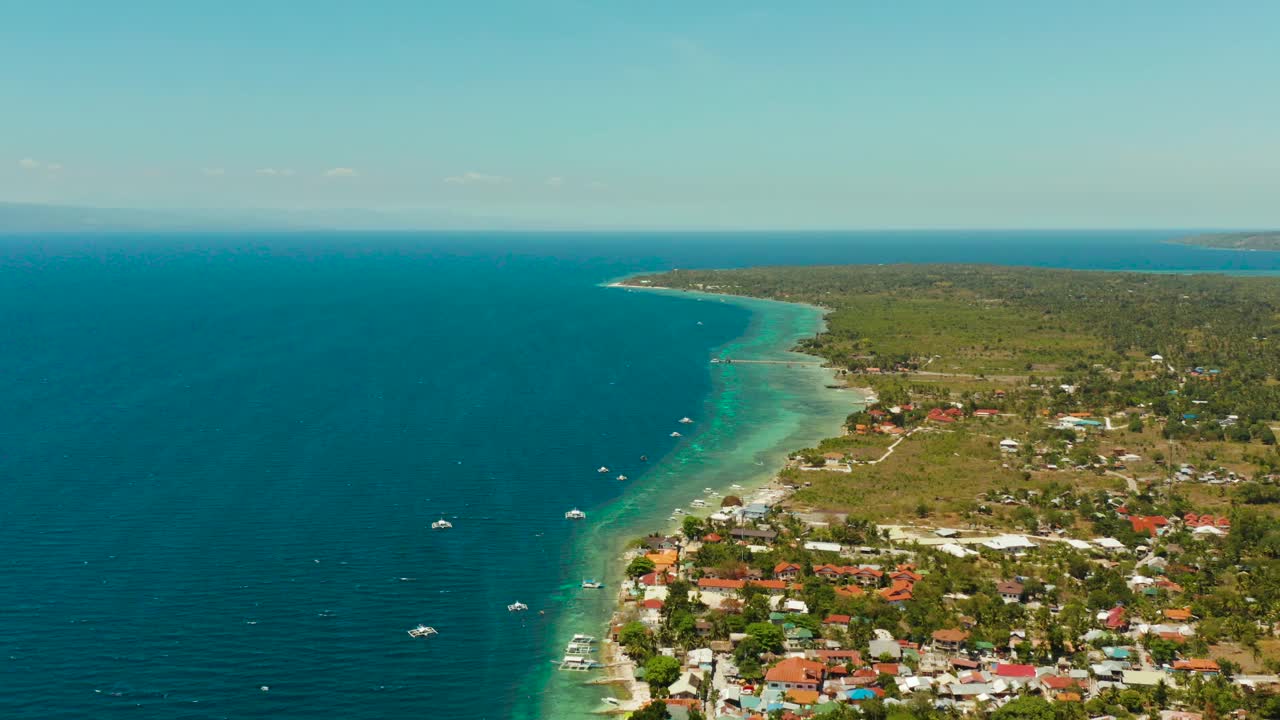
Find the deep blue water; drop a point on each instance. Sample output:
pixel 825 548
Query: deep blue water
pixel 221 454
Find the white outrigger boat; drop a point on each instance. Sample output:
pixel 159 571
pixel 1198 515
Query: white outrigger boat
pixel 735 486
pixel 622 478
pixel 422 631
pixel 602 469
pixel 578 662
pixel 441 524
pixel 698 503
pixel 592 584
pixel 575 514
pixel 517 607
pixel 686 421
pixel 675 434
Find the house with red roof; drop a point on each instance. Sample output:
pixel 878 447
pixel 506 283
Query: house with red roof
pixel 1010 671
pixel 773 587
pixel 796 674
pixel 1152 525
pixel 837 620
pixel 985 412
pixel 1197 665
pixel 850 591
pixel 721 584
pixel 897 593
pixel 866 575
pixel 786 571
pixel 1116 619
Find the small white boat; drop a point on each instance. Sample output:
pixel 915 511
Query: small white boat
pixel 677 511
pixel 698 504
pixel 441 524
pixel 613 701
pixel 675 434
pixel 577 662
pixel 685 421
pixel 592 584
pixel 707 491
pixel 517 607
pixel 583 639
pixel 423 631
pixel 602 469
pixel 622 478
pixel 736 486
pixel 575 514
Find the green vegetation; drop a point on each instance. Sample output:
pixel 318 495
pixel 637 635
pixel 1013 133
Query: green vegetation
pixel 1234 241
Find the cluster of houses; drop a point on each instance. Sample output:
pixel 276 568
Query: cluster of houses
pixel 819 670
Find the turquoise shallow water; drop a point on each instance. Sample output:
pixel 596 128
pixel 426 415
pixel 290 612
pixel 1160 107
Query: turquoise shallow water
pixel 222 454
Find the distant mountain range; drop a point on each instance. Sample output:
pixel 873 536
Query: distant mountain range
pixel 1269 240
pixel 37 218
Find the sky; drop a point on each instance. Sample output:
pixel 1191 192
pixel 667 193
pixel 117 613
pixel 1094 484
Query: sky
pixel 557 113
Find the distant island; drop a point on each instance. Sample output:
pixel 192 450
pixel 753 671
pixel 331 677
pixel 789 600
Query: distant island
pixel 1234 240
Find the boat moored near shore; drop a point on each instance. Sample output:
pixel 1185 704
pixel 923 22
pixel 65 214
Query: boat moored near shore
pixel 575 514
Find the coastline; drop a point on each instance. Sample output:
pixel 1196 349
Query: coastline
pixel 754 417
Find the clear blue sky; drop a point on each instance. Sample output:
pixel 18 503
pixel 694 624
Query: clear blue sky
pixel 700 114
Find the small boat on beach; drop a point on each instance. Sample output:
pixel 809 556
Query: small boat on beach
pixel 685 421
pixel 592 584
pixel 677 511
pixel 422 631
pixel 517 607
pixel 675 434
pixel 698 503
pixel 602 469
pixel 622 478
pixel 575 514
pixel 735 486
pixel 707 491
pixel 441 524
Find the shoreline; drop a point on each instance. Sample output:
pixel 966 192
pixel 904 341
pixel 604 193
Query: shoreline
pixel 806 410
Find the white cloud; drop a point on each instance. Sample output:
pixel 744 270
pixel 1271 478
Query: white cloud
pixel 273 171
pixel 213 172
pixel 555 181
pixel 475 178
pixel 340 172
pixel 30 164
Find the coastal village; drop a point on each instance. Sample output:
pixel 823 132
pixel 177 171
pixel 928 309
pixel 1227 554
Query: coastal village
pixel 1078 564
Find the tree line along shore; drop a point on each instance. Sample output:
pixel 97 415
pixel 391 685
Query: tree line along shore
pixel 1059 502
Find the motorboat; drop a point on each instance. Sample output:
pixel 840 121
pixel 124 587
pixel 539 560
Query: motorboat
pixel 575 514
pixel 441 524
pixel 422 631
pixel 517 607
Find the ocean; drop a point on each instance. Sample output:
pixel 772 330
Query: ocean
pixel 222 454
